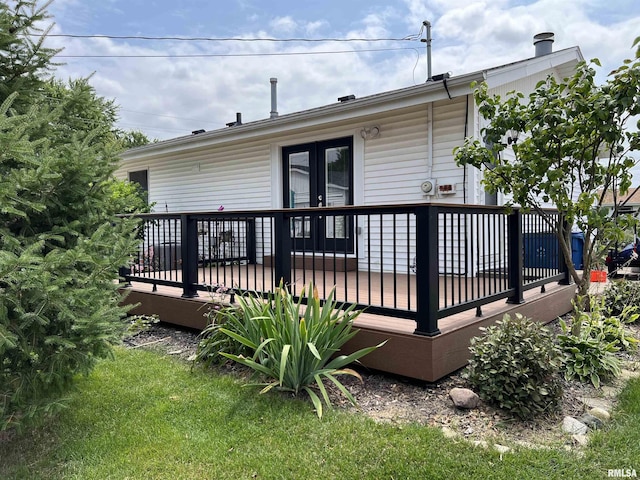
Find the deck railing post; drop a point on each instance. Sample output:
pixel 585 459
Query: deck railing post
pixel 427 275
pixel 251 240
pixel 282 248
pixel 124 272
pixel 515 256
pixel 189 251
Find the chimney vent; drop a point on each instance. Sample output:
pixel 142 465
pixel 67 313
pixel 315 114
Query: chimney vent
pixel 543 43
pixel 274 97
pixel 238 121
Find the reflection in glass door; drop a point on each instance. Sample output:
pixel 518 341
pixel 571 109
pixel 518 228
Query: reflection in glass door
pixel 320 174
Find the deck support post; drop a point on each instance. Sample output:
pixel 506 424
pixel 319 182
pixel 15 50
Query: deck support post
pixel 189 240
pixel 124 272
pixel 515 256
pixel 427 278
pixel 282 249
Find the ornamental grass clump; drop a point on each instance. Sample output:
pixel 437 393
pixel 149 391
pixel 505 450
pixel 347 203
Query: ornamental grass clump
pixel 292 344
pixel 514 365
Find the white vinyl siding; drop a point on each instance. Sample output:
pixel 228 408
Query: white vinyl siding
pixel 449 132
pixel 236 177
pixel 396 162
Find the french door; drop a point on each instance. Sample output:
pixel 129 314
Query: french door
pixel 320 174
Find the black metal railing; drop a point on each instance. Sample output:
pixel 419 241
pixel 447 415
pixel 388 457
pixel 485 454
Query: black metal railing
pixel 419 262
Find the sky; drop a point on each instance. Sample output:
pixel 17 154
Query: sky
pixel 167 97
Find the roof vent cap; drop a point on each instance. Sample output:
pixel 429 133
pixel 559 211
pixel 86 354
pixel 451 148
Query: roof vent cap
pixel 543 43
pixel 346 98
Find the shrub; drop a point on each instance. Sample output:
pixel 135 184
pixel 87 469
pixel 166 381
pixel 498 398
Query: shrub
pixel 602 322
pixel 293 345
pixel 622 299
pixel 614 331
pixel 140 323
pixel 587 355
pixel 514 365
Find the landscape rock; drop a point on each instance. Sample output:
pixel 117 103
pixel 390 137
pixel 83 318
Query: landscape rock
pixel 501 448
pixel 600 413
pixel 628 374
pixel 573 427
pixel 581 440
pixel 464 398
pixel 591 421
pixel 593 402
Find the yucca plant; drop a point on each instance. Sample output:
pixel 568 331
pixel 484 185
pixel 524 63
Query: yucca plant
pixel 293 343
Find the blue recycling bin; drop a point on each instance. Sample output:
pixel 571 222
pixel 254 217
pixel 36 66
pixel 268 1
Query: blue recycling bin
pixel 577 248
pixel 541 250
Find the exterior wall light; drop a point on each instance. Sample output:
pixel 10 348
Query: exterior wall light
pixel 370 132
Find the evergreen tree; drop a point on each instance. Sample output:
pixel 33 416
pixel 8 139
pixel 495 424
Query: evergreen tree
pixel 24 63
pixel 60 241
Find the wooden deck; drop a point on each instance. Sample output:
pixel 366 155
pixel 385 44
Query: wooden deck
pixel 405 353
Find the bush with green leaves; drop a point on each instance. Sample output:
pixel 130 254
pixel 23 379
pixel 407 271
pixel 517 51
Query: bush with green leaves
pixel 621 299
pixel 293 345
pixel 587 354
pixel 140 323
pixel 514 365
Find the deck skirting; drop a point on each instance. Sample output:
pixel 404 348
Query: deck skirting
pixel 405 353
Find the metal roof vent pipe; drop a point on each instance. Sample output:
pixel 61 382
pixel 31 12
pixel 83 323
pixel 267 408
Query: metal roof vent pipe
pixel 274 97
pixel 237 122
pixel 543 43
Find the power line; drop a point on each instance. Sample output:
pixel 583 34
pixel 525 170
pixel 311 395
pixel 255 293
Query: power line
pixel 233 39
pixel 201 55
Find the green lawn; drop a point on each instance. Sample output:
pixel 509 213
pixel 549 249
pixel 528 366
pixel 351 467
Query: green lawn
pixel 147 416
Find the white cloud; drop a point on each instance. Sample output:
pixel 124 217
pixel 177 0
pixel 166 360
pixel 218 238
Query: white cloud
pixel 313 27
pixel 283 25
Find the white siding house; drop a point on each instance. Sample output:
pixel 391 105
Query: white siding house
pixel 375 150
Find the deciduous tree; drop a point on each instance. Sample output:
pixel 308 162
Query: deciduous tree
pixel 574 145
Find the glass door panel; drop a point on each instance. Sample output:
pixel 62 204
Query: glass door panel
pixel 337 188
pixel 320 174
pixel 300 192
